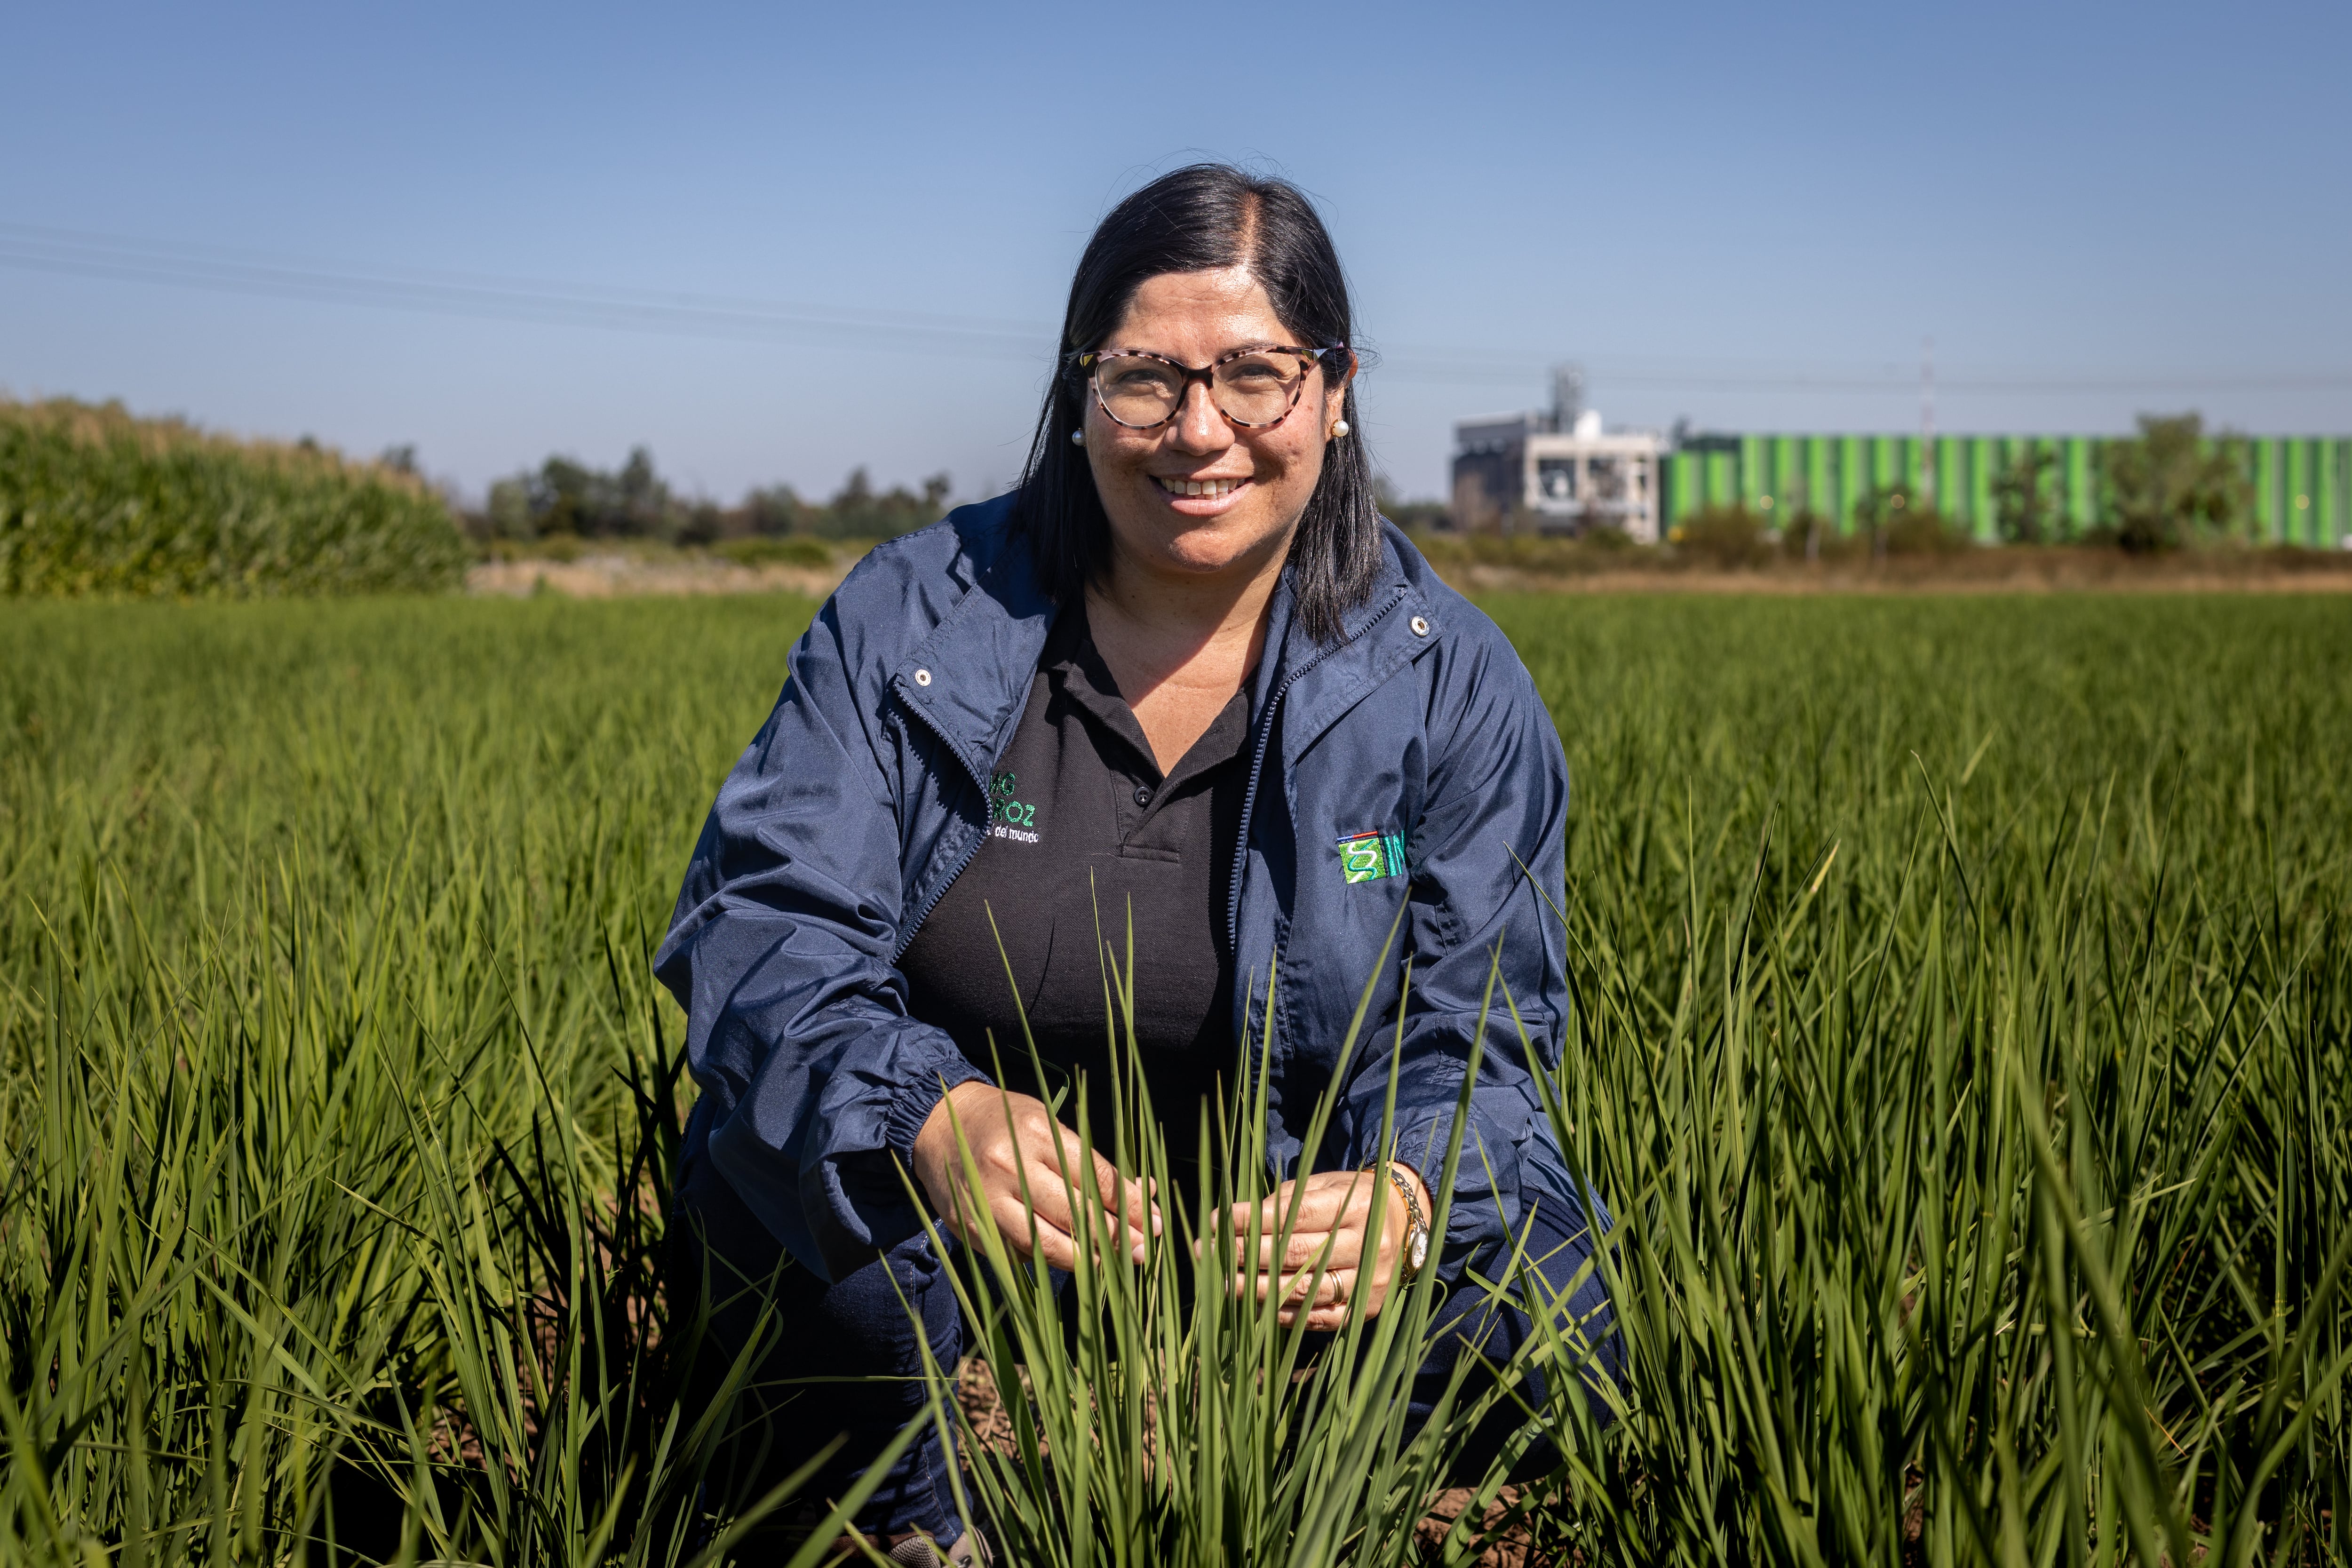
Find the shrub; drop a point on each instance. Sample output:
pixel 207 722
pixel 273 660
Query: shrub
pixel 1924 531
pixel 2027 505
pixel 1812 536
pixel 763 550
pixel 1725 535
pixel 1899 521
pixel 2173 485
pixel 96 503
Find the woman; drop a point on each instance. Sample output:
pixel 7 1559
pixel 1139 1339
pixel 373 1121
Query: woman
pixel 1183 675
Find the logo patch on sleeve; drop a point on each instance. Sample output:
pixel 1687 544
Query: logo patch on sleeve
pixel 1369 856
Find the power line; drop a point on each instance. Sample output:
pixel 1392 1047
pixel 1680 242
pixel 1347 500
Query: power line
pixel 1438 366
pixel 538 301
pixel 532 300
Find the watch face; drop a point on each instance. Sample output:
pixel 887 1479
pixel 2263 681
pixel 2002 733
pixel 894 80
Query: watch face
pixel 1417 1250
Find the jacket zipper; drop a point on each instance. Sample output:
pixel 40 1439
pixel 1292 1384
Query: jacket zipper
pixel 1249 795
pixel 907 938
pixel 1257 763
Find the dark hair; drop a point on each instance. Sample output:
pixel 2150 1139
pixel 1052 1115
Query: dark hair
pixel 1197 219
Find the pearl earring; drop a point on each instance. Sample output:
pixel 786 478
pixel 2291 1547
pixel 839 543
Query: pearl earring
pixel 1078 437
pixel 1338 427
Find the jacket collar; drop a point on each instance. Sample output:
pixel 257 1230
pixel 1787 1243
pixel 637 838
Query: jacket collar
pixel 1393 626
pixel 969 678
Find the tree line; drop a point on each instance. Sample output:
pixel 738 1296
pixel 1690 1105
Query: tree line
pixel 566 498
pixel 2174 484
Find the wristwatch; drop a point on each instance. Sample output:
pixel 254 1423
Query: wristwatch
pixel 1415 1251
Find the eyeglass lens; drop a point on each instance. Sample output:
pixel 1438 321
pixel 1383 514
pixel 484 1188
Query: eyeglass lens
pixel 1254 389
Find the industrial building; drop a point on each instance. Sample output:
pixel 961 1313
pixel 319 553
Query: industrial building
pixel 1559 472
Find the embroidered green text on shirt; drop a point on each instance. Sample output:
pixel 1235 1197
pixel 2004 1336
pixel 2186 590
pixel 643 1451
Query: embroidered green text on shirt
pixel 1369 856
pixel 1004 808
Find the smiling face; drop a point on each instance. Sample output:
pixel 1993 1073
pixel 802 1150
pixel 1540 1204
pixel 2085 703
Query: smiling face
pixel 1196 498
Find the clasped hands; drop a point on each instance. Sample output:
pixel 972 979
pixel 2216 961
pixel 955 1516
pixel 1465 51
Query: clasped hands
pixel 1013 1137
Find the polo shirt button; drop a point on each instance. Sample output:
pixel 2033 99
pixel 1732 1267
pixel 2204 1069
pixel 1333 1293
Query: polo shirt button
pixel 1419 626
pixel 1142 796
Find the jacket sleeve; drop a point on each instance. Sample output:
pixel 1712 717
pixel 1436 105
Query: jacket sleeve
pixel 781 953
pixel 1486 860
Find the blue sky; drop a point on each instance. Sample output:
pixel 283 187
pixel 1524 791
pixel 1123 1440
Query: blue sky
pixel 1749 216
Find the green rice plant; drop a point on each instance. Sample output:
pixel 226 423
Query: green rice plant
pixel 289 1281
pixel 333 1136
pixel 292 1279
pixel 1980 1189
pixel 96 503
pixel 1159 1420
pixel 1962 1012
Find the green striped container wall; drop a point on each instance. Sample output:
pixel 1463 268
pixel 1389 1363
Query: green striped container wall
pixel 1821 476
pixel 2335 480
pixel 1854 476
pixel 1988 458
pixel 2301 485
pixel 2302 489
pixel 1723 478
pixel 2082 472
pixel 1677 480
pixel 2297 487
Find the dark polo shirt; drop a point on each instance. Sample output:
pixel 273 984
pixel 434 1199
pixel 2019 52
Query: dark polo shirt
pixel 1093 854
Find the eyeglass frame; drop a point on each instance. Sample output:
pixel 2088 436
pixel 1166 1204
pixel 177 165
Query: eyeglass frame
pixel 1089 361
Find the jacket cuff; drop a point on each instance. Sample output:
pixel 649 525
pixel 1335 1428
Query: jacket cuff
pixel 912 1105
pixel 1482 1207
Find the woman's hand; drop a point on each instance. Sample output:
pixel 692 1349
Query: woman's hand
pixel 1336 1212
pixel 1011 1136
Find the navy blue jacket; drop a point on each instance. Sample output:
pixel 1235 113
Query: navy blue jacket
pixel 865 794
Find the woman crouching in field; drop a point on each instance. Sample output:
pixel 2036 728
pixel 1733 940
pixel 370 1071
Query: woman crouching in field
pixel 1184 671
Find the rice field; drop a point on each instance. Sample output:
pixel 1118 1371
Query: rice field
pixel 1963 1039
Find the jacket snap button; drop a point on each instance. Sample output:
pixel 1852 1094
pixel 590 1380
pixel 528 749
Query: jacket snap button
pixel 923 677
pixel 1419 626
pixel 1142 796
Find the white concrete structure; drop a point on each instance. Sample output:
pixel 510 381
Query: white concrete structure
pixel 1555 473
pixel 1591 481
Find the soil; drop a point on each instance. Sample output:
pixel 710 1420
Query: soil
pixel 2019 571
pixel 1986 570
pixel 616 576
pixel 976 1391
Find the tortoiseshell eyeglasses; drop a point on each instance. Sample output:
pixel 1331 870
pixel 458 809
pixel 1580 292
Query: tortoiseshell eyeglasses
pixel 1254 387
